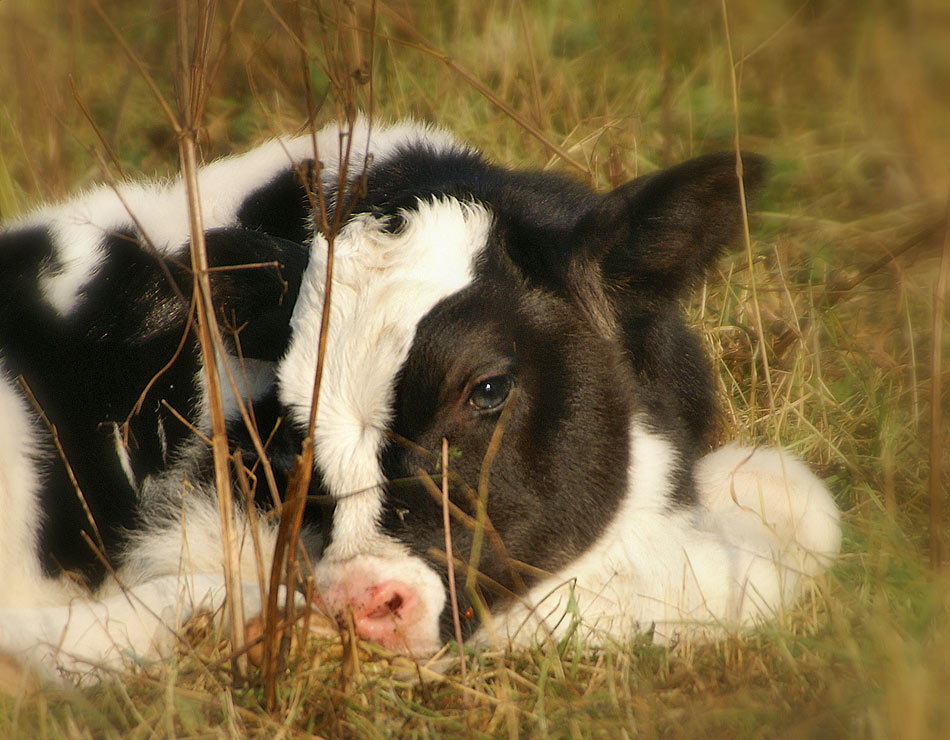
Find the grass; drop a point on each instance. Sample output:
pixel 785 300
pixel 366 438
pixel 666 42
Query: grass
pixel 848 99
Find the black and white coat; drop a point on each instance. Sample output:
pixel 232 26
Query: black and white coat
pixel 459 289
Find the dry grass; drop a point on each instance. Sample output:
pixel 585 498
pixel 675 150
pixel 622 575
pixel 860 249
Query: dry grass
pixel 849 101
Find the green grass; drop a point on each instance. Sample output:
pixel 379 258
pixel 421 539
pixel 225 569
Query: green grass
pixel 847 98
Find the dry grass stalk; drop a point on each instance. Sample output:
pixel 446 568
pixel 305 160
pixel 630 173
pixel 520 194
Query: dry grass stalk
pixel 937 493
pixel 483 524
pixel 762 346
pixel 193 87
pixel 343 82
pixel 276 641
pixel 193 91
pixel 423 45
pixel 450 558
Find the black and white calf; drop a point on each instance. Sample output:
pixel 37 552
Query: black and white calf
pixel 460 290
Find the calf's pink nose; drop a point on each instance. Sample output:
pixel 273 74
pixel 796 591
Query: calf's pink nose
pixel 385 613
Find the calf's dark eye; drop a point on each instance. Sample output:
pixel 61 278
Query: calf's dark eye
pixel 491 393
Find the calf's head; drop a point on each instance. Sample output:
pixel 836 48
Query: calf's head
pixel 525 319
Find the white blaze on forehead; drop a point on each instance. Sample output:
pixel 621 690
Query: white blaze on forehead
pixel 383 284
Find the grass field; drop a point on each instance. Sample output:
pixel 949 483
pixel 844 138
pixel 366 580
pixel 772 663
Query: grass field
pixel 825 332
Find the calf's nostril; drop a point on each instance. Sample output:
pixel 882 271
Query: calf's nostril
pixel 388 608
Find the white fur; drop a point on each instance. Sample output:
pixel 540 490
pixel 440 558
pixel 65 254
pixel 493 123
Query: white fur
pixel 22 580
pixel 83 637
pixel 173 573
pixel 383 284
pixel 764 522
pixel 190 540
pixel 746 490
pixel 252 378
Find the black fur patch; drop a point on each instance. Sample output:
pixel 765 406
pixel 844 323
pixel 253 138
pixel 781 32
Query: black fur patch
pixel 89 370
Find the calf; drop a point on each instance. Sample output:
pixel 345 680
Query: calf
pixel 533 323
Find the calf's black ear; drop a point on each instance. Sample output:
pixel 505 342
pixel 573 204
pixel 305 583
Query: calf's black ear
pixel 254 286
pixel 656 236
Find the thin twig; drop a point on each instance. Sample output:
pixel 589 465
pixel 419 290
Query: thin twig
pixel 284 561
pixel 482 511
pixel 137 406
pixel 472 524
pixel 186 423
pixel 447 526
pixel 539 111
pixel 250 512
pixel 291 520
pixel 98 131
